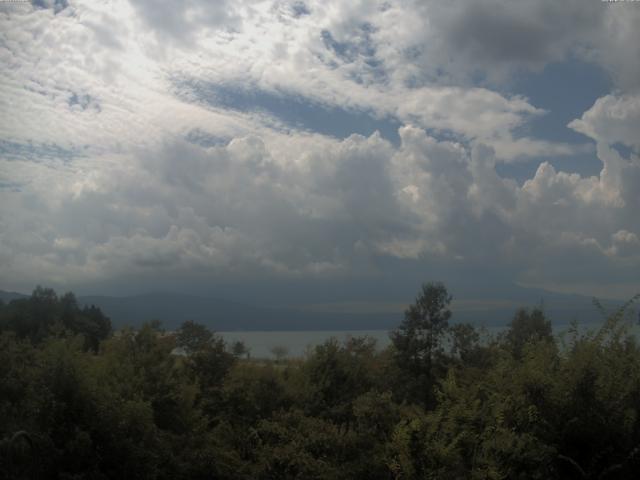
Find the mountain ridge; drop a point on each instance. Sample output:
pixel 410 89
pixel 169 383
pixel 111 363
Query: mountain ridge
pixel 228 315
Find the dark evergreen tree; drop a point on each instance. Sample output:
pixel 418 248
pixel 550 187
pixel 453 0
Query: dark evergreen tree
pixel 528 326
pixel 418 341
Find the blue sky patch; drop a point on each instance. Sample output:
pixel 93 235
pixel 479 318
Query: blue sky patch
pixel 295 111
pixel 35 152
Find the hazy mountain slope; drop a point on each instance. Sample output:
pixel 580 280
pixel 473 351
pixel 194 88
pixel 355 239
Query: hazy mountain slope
pixel 8 296
pixel 173 309
pixel 224 315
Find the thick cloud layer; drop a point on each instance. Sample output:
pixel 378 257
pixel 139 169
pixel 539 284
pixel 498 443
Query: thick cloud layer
pixel 117 162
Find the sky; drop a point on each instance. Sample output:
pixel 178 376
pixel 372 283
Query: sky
pixel 320 152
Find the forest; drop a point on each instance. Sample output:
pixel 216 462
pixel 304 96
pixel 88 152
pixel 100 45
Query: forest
pixel 444 400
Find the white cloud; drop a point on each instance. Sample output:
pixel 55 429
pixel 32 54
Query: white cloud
pixel 624 243
pixel 91 76
pixel 101 183
pixel 612 119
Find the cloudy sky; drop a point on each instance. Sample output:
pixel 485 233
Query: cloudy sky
pixel 320 151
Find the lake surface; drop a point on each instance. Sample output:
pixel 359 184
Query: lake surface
pixel 298 342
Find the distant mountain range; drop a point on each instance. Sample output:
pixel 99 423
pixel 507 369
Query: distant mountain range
pixel 8 296
pixel 224 315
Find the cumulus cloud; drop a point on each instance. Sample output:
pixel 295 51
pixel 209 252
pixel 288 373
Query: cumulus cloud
pixel 612 119
pixel 116 162
pixel 255 205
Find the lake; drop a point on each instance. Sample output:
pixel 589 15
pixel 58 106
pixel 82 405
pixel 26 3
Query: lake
pixel 297 342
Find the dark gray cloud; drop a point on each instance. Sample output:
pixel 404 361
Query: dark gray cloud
pixel 489 40
pixel 519 33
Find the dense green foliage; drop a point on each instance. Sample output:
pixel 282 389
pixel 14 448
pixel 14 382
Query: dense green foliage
pixel 443 401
